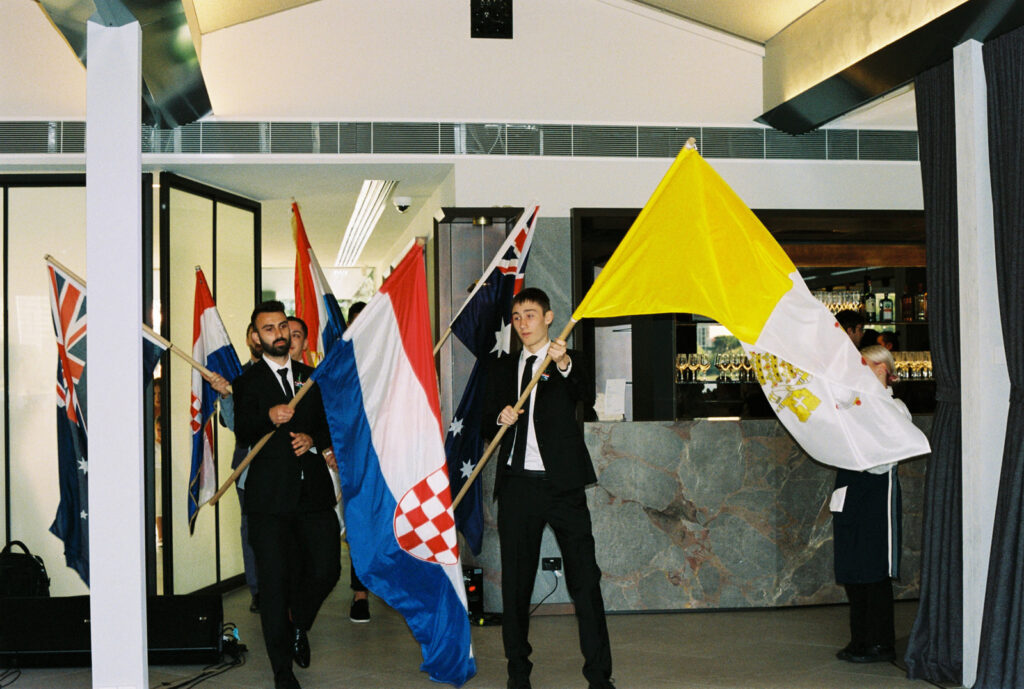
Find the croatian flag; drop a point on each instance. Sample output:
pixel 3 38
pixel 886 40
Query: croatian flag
pixel 380 393
pixel 314 301
pixel 483 324
pixel 212 348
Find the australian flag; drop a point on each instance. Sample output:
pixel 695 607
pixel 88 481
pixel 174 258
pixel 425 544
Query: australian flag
pixel 484 325
pixel 71 525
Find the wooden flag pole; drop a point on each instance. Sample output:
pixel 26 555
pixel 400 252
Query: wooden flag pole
pixel 444 336
pixel 501 431
pixel 152 333
pixel 206 373
pixel 256 448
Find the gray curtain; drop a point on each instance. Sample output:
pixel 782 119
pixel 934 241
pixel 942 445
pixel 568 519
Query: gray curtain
pixel 935 649
pixel 1001 660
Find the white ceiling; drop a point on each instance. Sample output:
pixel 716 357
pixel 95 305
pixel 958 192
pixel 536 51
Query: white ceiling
pixel 751 19
pixel 326 194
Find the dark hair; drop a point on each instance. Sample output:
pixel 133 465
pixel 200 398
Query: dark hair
pixel 850 319
pixel 891 338
pixel 354 310
pixel 537 296
pixel 296 319
pixel 272 306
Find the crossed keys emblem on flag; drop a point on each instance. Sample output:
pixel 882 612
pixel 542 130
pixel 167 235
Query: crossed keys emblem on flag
pixel 785 385
pixel 424 526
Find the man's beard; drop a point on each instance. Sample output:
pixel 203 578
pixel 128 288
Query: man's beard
pixel 278 347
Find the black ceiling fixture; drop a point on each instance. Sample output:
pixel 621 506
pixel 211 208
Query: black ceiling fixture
pixel 490 18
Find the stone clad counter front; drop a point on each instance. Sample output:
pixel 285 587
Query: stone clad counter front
pixel 709 514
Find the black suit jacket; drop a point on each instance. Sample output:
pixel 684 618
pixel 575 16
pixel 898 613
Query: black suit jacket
pixel 275 483
pixel 559 433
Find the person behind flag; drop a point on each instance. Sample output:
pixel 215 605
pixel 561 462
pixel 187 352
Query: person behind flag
pixel 298 348
pixel 542 470
pixel 227 419
pixel 289 497
pixel 359 611
pixel 853 324
pixel 866 516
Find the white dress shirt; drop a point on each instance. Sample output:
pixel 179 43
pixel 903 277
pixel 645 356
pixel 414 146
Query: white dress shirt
pixel 275 367
pixel 532 460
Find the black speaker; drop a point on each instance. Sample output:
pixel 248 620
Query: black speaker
pixel 473 578
pixel 54 632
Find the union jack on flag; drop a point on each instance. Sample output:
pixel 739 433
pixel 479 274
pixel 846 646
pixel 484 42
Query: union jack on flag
pixel 67 304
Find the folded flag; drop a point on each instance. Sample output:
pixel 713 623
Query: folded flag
pixel 314 301
pixel 696 248
pixel 212 348
pixel 152 350
pixel 483 324
pixel 71 523
pixel 380 393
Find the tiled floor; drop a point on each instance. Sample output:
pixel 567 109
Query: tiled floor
pixel 789 648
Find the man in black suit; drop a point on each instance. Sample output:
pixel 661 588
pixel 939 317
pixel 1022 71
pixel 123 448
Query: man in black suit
pixel 543 467
pixel 289 496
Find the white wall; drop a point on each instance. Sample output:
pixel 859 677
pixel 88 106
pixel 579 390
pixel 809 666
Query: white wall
pixel 559 184
pixel 570 60
pixel 422 225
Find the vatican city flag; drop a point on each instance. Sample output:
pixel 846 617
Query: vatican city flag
pixel 697 248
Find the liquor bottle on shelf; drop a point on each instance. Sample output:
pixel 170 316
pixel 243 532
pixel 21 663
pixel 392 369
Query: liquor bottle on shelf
pixel 907 307
pixel 868 301
pixel 921 303
pixel 885 309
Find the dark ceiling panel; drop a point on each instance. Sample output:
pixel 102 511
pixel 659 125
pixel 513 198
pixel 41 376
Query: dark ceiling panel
pixel 895 65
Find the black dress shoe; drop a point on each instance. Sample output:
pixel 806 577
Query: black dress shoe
pixel 518 683
pixel 300 650
pixel 874 654
pixel 285 680
pixel 849 651
pixel 254 604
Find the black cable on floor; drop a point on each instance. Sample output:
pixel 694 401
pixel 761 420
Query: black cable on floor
pixel 547 596
pixel 9 676
pixel 232 648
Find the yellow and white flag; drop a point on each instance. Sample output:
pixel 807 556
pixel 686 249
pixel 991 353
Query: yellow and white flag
pixel 697 248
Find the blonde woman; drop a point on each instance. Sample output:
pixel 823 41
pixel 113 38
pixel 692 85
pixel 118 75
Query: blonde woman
pixel 866 515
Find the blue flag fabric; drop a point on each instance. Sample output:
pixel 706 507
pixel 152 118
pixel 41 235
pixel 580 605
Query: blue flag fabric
pixel 484 325
pixel 71 523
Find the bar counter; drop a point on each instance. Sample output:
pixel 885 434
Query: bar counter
pixel 708 514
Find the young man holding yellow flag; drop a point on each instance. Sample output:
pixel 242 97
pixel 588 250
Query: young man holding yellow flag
pixel 543 467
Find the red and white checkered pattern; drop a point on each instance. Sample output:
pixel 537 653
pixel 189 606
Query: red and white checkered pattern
pixel 424 525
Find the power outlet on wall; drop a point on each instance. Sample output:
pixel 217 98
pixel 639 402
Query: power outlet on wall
pixel 551 564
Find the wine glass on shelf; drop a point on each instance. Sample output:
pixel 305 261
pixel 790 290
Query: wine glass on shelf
pixel 704 365
pixel 900 358
pixel 748 367
pixel 681 367
pixel 927 365
pixel 721 362
pixel 693 363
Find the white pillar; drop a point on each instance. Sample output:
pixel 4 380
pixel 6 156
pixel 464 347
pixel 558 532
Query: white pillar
pixel 984 382
pixel 113 165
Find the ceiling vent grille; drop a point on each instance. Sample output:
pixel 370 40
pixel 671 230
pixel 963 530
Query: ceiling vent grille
pixel 591 140
pixel 664 142
pixel 733 142
pixel 539 139
pixel 406 137
pixel 809 146
pixel 471 138
pixel 887 145
pixel 842 144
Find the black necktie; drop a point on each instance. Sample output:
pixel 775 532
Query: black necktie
pixel 283 372
pixel 523 424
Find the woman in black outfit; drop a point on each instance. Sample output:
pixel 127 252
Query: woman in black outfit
pixel 866 515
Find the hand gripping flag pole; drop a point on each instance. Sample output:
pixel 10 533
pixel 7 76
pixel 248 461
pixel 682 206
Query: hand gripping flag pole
pixel 257 447
pixel 167 344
